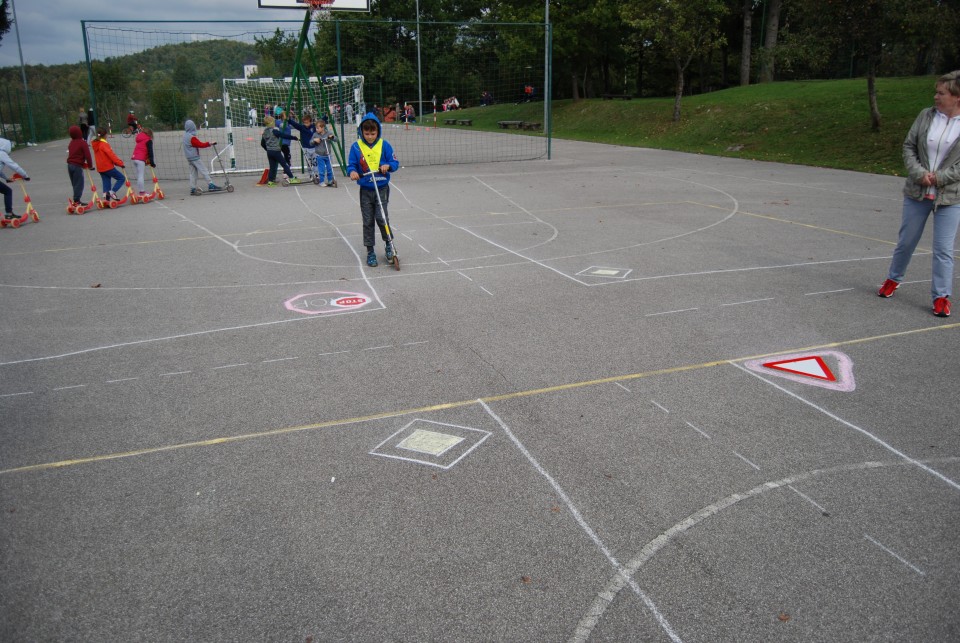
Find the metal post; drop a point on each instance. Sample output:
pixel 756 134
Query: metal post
pixel 419 74
pixel 23 72
pixel 547 73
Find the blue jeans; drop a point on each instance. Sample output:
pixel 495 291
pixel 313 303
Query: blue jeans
pixel 945 222
pixel 114 174
pixel 324 169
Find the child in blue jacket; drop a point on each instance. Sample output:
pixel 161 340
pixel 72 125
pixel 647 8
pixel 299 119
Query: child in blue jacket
pixel 372 153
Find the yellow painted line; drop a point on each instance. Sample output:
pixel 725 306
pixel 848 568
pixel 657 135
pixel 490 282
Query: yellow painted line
pixel 808 225
pixel 452 405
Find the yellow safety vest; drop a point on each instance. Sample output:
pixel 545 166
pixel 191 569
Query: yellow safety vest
pixel 371 155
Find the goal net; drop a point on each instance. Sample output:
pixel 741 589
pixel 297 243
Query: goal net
pixel 247 101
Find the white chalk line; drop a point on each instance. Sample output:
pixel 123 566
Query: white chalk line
pixel 895 555
pixel 621 572
pixel 862 431
pixel 617 582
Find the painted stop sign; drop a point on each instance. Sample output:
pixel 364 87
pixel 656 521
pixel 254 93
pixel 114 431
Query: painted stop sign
pixel 317 303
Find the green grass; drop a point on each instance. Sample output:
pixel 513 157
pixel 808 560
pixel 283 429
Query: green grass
pixel 817 123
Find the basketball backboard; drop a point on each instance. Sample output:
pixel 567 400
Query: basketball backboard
pixel 335 5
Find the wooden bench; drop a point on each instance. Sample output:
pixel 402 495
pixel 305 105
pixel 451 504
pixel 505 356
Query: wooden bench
pixel 465 121
pixel 612 96
pixel 449 121
pixel 509 124
pixel 532 126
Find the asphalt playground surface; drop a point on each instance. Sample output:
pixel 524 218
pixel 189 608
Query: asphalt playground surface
pixel 620 395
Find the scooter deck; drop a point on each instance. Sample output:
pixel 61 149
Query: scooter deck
pixel 16 223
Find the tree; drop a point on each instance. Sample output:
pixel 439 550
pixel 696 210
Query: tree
pixel 682 29
pixel 866 36
pixel 168 103
pixel 746 46
pixel 5 22
pixel 772 19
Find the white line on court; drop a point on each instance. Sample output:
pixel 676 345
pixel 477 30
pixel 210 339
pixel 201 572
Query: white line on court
pixel 15 394
pixel 486 291
pixel 703 433
pixel 67 388
pixel 621 573
pixel 174 373
pixel 671 312
pixel 623 387
pixel 856 428
pixel 895 555
pixel 749 301
pixel 745 459
pixel 659 406
pixel 279 359
pixel 722 271
pixel 807 498
pixel 172 337
pixel 826 292
pixel 217 368
pixel 122 379
pixel 606 596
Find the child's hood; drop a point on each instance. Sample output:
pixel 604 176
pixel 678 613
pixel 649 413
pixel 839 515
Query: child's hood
pixel 190 127
pixel 6 146
pixel 75 131
pixel 370 116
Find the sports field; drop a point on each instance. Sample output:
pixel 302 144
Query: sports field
pixel 618 395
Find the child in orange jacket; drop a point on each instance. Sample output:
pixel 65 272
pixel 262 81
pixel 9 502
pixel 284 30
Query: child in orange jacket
pixel 107 164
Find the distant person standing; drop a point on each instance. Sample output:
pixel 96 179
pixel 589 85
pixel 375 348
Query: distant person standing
pixel 84 124
pixel 252 116
pixel 78 158
pixel 931 153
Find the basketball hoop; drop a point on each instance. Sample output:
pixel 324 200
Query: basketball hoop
pixel 319 8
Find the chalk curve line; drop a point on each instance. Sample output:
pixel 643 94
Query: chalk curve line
pixel 606 596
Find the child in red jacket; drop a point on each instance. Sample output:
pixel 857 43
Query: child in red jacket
pixel 78 158
pixel 107 164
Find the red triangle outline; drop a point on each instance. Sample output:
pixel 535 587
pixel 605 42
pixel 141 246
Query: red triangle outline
pixel 829 377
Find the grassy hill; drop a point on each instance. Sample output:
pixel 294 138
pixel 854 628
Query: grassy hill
pixel 819 123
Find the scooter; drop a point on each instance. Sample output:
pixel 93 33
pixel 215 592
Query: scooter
pixel 31 213
pixel 226 185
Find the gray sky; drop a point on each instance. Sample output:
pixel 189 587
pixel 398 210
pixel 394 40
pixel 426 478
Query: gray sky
pixel 50 29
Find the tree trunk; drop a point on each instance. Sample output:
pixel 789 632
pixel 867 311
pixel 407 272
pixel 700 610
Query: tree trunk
pixel 676 100
pixel 575 86
pixel 747 42
pixel 872 96
pixel 770 42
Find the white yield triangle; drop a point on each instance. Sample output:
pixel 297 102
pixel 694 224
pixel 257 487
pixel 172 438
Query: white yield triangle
pixel 810 368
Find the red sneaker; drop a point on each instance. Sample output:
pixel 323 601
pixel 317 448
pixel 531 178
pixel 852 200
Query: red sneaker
pixel 941 307
pixel 886 290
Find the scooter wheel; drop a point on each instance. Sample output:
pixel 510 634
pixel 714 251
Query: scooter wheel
pixel 135 200
pixel 316 180
pixel 285 183
pixel 15 223
pixel 100 205
pixel 160 194
pixel 70 209
pixel 229 188
pixel 35 217
pixel 396 262
pixel 113 205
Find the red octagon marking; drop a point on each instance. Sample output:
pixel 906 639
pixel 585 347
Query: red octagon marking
pixel 319 303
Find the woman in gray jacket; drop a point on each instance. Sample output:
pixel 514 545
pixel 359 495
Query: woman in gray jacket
pixel 932 155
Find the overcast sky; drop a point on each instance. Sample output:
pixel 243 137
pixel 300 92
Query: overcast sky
pixel 50 31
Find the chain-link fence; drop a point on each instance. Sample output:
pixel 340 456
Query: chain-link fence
pixel 420 77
